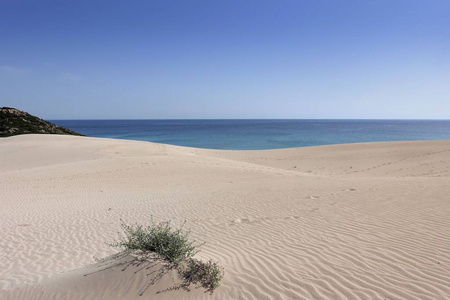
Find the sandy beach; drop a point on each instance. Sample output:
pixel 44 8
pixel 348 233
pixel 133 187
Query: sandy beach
pixel 353 221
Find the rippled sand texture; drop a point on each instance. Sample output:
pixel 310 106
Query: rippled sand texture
pixel 357 221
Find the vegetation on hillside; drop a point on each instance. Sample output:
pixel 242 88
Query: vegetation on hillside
pixel 14 122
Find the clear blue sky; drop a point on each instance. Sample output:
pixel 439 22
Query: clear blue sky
pixel 226 59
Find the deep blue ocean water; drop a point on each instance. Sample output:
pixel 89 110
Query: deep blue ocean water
pixel 261 134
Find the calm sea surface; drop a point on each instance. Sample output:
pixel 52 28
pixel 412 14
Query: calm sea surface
pixel 261 134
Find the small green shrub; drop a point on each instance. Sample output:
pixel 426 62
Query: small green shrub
pixel 171 244
pixel 208 274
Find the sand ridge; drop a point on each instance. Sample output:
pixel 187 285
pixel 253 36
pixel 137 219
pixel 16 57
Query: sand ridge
pixel 356 221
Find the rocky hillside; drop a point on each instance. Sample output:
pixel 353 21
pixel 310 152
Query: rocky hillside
pixel 14 121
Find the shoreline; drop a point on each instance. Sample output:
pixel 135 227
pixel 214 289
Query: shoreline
pixel 262 134
pixel 232 150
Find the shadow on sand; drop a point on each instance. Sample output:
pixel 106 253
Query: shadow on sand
pixel 147 270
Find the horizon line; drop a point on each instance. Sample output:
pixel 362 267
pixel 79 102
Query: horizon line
pixel 257 119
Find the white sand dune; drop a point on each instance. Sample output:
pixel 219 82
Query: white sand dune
pixel 356 221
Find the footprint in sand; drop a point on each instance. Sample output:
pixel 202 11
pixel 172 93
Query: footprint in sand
pixel 239 221
pixel 245 220
pixel 349 190
pixel 313 197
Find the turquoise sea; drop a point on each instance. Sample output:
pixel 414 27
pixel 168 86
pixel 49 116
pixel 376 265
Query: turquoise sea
pixel 261 134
